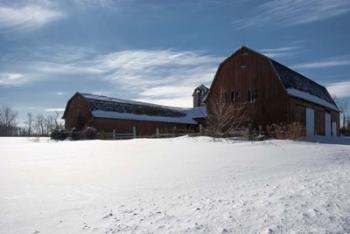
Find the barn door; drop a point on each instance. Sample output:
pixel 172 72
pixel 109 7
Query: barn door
pixel 328 124
pixel 310 122
pixel 334 128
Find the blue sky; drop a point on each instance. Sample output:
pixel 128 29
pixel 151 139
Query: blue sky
pixel 159 50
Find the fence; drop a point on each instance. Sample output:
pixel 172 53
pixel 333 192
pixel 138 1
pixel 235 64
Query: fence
pixel 158 133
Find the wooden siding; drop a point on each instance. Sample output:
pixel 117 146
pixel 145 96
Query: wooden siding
pixel 143 128
pixel 245 71
pixel 297 108
pixel 77 113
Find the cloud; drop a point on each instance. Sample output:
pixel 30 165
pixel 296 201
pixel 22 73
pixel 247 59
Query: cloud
pixel 54 109
pixel 294 12
pixel 340 89
pixel 280 52
pixel 27 17
pixel 142 74
pixel 12 79
pixel 97 3
pixel 337 61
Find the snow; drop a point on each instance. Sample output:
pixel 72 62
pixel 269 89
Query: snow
pixel 191 113
pixel 311 98
pixel 129 116
pixel 180 185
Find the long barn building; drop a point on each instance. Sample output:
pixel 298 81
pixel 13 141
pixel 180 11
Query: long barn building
pixel 273 92
pixel 123 116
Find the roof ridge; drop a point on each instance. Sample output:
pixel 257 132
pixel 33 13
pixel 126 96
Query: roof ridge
pixel 174 108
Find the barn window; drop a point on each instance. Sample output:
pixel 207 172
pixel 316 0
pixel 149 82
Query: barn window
pixel 244 66
pixel 234 96
pixel 252 95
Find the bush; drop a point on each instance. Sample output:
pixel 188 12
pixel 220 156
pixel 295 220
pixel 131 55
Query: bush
pixel 292 131
pixel 88 133
pixel 59 134
pixel 74 134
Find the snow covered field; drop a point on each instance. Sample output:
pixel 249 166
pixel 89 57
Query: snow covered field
pixel 182 185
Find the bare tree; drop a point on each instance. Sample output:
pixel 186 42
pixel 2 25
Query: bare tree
pixel 50 124
pixel 342 104
pixel 40 124
pixel 226 114
pixel 8 124
pixel 29 123
pixel 58 125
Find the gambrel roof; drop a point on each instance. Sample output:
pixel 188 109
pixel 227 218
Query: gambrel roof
pixel 302 87
pixel 295 84
pixel 115 108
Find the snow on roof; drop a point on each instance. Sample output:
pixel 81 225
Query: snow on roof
pixel 129 116
pixel 115 108
pixel 311 98
pixel 293 80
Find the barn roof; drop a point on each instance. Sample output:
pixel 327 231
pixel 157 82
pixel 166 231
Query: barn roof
pixel 298 85
pixel 302 87
pixel 115 108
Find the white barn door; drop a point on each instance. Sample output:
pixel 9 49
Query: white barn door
pixel 328 129
pixel 310 122
pixel 334 128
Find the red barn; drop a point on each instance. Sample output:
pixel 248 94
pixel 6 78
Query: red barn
pixel 108 114
pixel 274 93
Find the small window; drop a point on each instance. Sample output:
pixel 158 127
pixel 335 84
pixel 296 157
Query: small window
pixel 234 96
pixel 243 66
pixel 252 95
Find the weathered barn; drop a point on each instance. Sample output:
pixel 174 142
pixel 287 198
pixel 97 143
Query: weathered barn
pixel 108 114
pixel 274 93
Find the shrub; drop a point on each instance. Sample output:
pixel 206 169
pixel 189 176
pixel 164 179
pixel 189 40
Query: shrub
pixel 88 133
pixel 292 131
pixel 59 134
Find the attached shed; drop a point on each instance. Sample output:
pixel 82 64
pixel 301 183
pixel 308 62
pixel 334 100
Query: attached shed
pixel 108 114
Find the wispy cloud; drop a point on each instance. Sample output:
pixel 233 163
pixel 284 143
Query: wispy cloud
pixel 27 17
pixel 98 3
pixel 54 109
pixel 294 12
pixel 280 51
pixel 337 61
pixel 12 79
pixel 340 89
pixel 143 74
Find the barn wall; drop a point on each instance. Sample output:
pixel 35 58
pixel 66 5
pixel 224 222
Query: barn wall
pixel 77 113
pixel 297 108
pixel 142 127
pixel 245 71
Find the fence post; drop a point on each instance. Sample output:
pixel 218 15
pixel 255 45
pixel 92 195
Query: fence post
pixel 157 132
pixel 114 134
pixel 174 131
pixel 134 131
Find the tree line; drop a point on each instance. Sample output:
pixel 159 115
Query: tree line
pixel 34 125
